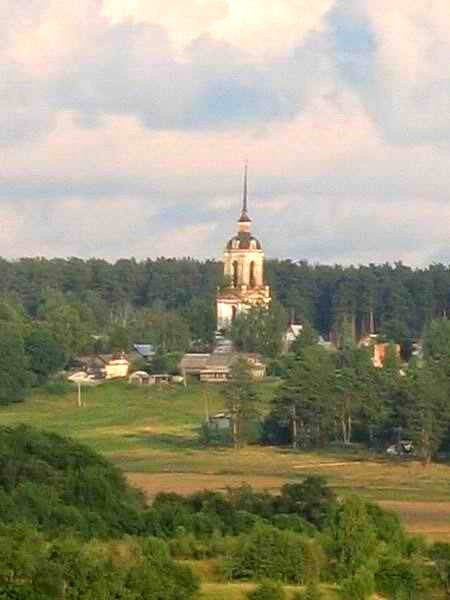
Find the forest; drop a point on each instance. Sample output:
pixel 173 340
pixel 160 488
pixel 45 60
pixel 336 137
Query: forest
pixel 72 528
pixel 392 299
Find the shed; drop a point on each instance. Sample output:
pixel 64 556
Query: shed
pixel 220 422
pixel 159 378
pixel 139 378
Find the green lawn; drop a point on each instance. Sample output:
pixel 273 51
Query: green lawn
pixel 117 417
pixel 237 591
pixel 152 433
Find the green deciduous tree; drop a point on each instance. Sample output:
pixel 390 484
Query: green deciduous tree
pixel 63 320
pixel 353 539
pixel 168 331
pixel 408 578
pixel 44 354
pixel 313 499
pixel 119 338
pixel 267 552
pixel 200 315
pixel 260 329
pixel 14 376
pixel 241 399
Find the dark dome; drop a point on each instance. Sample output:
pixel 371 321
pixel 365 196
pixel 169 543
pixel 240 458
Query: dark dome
pixel 244 218
pixel 244 239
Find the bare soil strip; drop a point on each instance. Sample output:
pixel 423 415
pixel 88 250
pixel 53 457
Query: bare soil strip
pixel 431 519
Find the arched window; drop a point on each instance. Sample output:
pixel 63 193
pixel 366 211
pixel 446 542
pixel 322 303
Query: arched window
pixel 235 273
pixel 252 274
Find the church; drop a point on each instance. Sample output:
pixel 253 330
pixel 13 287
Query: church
pixel 243 271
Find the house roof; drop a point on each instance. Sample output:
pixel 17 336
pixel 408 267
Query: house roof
pixel 144 350
pixel 217 361
pixel 191 362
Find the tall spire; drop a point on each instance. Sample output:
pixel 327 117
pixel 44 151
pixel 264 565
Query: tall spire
pixel 244 218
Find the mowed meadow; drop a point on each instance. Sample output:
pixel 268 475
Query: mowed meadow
pixel 152 433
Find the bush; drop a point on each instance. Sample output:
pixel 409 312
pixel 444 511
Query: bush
pixel 311 499
pixel 267 552
pixel 244 498
pixel 440 555
pixel 167 516
pixel 387 526
pixel 267 590
pixel 59 387
pixel 293 523
pixel 360 586
pixel 189 547
pixel 35 568
pixel 399 577
pixel 312 592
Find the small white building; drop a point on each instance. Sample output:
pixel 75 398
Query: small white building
pixel 139 378
pixel 292 333
pixel 220 422
pixel 117 367
pixel 143 378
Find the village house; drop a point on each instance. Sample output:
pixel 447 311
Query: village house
pixel 117 367
pixel 379 349
pixel 216 367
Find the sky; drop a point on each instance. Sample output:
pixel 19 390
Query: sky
pixel 125 125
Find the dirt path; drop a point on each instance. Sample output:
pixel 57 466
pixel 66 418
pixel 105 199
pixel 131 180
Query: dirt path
pixel 188 483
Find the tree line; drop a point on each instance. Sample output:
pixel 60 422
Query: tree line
pixel 337 396
pixel 392 299
pixel 341 397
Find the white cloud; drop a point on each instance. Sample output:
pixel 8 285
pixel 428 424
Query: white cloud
pixel 408 88
pixel 261 29
pixel 126 125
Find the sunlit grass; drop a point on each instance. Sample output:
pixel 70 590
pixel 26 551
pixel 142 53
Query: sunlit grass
pixel 153 432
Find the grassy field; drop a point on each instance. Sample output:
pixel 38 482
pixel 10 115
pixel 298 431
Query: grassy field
pixel 152 434
pixel 237 591
pixel 213 588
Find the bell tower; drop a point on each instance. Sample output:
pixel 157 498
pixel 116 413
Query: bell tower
pixel 243 270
